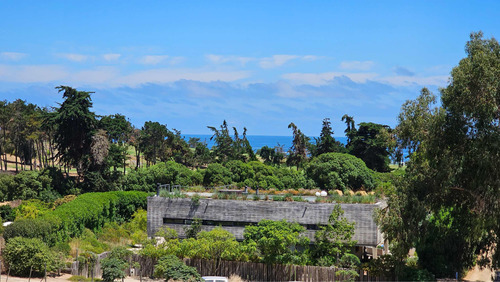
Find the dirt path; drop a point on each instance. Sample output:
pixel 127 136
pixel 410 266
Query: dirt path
pixel 477 274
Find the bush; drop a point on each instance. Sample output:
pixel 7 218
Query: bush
pixel 34 228
pixel 113 268
pixel 22 254
pixel 7 213
pixel 340 171
pixel 91 210
pixel 6 182
pixel 216 174
pixel 171 267
pixel 278 241
pixel 145 179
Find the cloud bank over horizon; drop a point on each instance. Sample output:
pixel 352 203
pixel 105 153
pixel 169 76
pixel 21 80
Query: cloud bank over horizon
pixel 265 108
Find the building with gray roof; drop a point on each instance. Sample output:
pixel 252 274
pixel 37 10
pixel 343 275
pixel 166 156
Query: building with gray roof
pixel 234 215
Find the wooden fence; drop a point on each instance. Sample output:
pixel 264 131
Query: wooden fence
pixel 249 271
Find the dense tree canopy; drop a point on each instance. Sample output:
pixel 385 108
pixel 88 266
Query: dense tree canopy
pixel 372 143
pixel 75 128
pixel 339 171
pixel 448 205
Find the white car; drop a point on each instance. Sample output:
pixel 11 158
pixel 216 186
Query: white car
pixel 215 279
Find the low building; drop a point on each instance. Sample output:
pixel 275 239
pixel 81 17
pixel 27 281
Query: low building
pixel 234 215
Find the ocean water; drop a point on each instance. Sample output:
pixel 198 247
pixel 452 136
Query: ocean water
pixel 259 141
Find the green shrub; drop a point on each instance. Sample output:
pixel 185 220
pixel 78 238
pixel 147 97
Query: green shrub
pixel 23 254
pixel 6 184
pixel 7 213
pixel 34 228
pixel 91 210
pixel 113 268
pixel 340 171
pixel 216 174
pixel 145 179
pixel 171 267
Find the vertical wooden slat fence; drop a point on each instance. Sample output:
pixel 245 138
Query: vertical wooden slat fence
pixel 249 271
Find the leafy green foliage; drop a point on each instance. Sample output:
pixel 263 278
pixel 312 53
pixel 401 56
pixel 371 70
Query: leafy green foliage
pixel 112 269
pixel 226 148
pixel 170 267
pixel 334 241
pixel 216 174
pixel 326 143
pixel 75 127
pixel 151 141
pixel 297 154
pixel 192 230
pixel 7 213
pixel 145 179
pixel 271 155
pixel 278 241
pixel 372 143
pixel 339 171
pixel 32 209
pixel 113 266
pixel 23 254
pixel 91 210
pixel 447 204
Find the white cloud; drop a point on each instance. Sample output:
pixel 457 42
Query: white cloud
pixel 99 75
pixel 153 59
pixel 171 75
pixel 12 56
pixel 318 79
pixel 276 61
pixel 111 57
pixel 265 62
pixel 27 74
pixel 74 57
pixel 400 80
pixel 176 60
pixel 356 65
pixel 311 58
pixel 110 76
pixel 219 59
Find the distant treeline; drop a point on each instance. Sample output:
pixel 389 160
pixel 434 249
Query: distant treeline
pixel 71 137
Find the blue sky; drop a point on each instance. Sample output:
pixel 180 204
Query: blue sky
pixel 259 64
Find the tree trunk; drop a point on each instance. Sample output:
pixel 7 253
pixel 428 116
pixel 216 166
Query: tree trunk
pixel 17 170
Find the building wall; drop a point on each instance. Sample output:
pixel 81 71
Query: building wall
pixel 239 212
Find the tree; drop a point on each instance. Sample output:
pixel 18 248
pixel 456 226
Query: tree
pixel 152 140
pixel 448 205
pixel 271 155
pixel 279 242
pixel 226 148
pixel 297 154
pixel 75 128
pixel 415 119
pixel 339 171
pixel 350 126
pixel 112 269
pixel 334 241
pixel 176 148
pixel 119 131
pixel 114 265
pixel 172 268
pixel 135 140
pixel 27 256
pixel 372 143
pixel 193 229
pixel 326 143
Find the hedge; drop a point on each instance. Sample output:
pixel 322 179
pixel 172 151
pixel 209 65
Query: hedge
pixel 90 210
